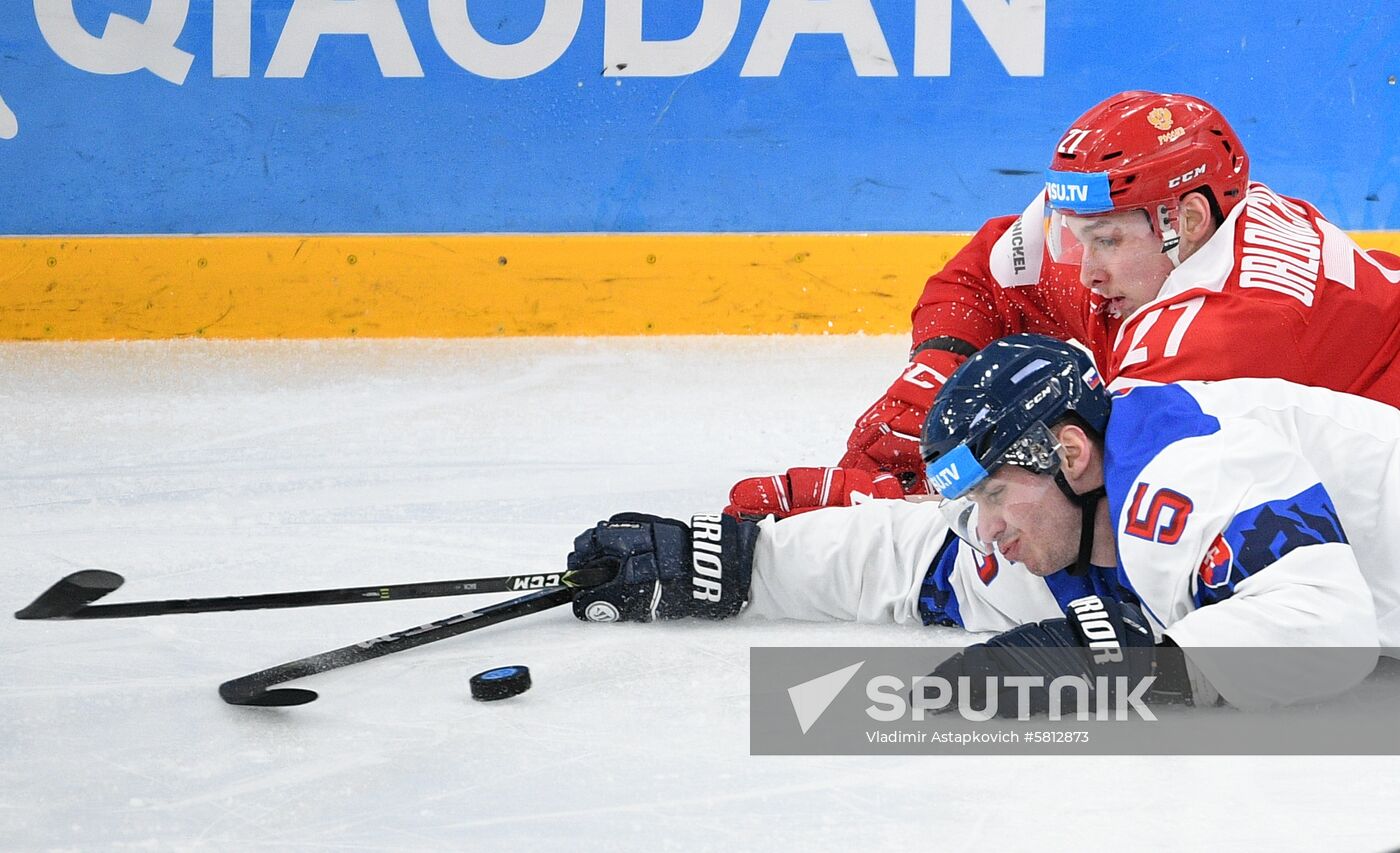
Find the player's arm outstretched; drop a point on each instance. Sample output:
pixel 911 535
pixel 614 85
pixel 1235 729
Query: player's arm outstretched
pixel 887 561
pixel 856 564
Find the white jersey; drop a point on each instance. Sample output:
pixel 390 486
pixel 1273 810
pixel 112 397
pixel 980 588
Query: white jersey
pixel 1249 512
pixel 1256 512
pixel 893 560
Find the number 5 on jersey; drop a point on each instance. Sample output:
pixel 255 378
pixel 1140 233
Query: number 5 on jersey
pixel 1160 519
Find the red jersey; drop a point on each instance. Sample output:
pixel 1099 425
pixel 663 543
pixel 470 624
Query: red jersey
pixel 1278 292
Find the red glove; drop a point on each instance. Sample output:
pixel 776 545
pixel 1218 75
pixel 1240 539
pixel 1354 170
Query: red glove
pixel 886 437
pixel 806 489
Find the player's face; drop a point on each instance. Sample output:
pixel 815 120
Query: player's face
pixel 1028 518
pixel 1122 261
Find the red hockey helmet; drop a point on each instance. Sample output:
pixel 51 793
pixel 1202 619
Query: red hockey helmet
pixel 1144 150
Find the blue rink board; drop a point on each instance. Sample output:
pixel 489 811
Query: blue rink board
pixel 818 147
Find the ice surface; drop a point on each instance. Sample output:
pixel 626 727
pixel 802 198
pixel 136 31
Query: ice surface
pixel 213 468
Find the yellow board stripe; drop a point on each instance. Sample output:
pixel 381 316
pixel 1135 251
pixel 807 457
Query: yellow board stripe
pixel 126 288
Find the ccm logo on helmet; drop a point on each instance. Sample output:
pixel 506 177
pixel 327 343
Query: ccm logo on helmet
pixel 1194 173
pixel 1040 395
pixel 706 565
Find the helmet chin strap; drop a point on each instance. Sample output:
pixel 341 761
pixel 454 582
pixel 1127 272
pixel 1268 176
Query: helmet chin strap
pixel 1171 247
pixel 1171 241
pixel 1088 504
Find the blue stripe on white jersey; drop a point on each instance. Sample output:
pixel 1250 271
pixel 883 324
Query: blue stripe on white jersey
pixel 938 601
pixel 1260 536
pixel 1097 581
pixel 1144 421
pixel 938 598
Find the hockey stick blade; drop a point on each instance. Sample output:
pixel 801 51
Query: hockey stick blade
pixel 70 597
pixel 71 594
pixel 256 689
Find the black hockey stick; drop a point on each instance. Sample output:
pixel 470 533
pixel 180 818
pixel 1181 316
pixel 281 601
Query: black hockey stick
pixel 70 597
pixel 253 689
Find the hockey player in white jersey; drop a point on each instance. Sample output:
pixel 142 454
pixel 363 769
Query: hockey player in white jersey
pixel 1239 513
pixel 1247 512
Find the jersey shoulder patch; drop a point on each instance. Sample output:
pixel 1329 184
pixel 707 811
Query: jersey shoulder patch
pixel 1260 536
pixel 1016 255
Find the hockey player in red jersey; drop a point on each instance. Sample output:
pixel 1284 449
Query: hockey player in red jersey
pixel 1150 246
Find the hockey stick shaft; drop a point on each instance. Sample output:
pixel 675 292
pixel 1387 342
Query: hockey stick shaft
pixel 70 598
pixel 253 689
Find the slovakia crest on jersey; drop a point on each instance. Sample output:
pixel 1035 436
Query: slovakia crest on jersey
pixel 1215 568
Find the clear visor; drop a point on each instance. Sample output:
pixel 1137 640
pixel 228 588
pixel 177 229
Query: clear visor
pixel 1070 238
pixel 978 516
pixel 1061 240
pixel 961 516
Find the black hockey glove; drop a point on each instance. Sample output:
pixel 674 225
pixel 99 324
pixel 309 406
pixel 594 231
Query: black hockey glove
pixel 1100 641
pixel 665 569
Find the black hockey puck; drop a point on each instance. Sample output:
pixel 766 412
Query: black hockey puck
pixel 500 683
